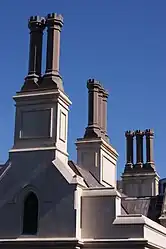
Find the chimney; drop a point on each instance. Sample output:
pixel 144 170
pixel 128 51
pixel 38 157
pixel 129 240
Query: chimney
pixel 41 120
pixel 129 149
pixel 94 152
pixel 52 78
pixel 97 110
pixel 139 148
pixel 103 115
pixel 141 179
pixel 149 133
pixel 36 25
pixel 93 130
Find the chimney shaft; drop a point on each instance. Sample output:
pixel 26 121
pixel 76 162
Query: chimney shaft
pixel 36 25
pixel 149 146
pixel 52 76
pixel 103 96
pixel 129 148
pixel 139 145
pixel 93 129
pixel 104 115
pixel 100 101
pixel 54 24
pixel 97 111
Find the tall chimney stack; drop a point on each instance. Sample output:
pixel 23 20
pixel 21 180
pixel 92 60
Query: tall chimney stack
pixel 93 129
pixel 149 133
pixel 129 149
pixel 36 25
pixel 94 152
pixel 52 78
pixel 139 148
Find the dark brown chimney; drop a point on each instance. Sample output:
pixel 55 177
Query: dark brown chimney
pixel 93 129
pixel 36 25
pixel 129 149
pixel 149 133
pixel 139 148
pixel 52 78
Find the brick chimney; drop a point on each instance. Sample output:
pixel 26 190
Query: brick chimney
pixel 52 78
pixel 36 25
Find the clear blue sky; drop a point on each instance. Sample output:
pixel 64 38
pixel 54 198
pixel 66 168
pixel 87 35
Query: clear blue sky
pixel 122 43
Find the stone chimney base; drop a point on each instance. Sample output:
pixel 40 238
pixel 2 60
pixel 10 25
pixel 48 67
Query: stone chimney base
pixel 99 158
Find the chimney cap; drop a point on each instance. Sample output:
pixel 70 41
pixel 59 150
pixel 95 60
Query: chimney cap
pixel 93 83
pixel 36 22
pixel 129 133
pixel 54 18
pixel 105 93
pixel 139 132
pixel 149 132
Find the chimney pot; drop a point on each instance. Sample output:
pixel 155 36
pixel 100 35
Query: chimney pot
pixel 129 149
pixel 149 133
pixel 129 133
pixel 55 20
pixel 139 145
pixel 36 25
pixel 52 77
pixel 93 129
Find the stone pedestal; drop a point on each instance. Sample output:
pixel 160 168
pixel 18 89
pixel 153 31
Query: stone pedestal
pixel 99 158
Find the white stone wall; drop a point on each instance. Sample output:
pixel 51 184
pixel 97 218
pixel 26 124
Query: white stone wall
pixel 99 209
pixel 34 171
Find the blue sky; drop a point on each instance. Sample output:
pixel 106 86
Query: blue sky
pixel 122 43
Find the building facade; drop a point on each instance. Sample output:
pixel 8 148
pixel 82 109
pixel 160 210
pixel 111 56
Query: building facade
pixel 46 199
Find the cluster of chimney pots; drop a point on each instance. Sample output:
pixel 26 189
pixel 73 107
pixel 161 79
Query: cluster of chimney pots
pixel 139 135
